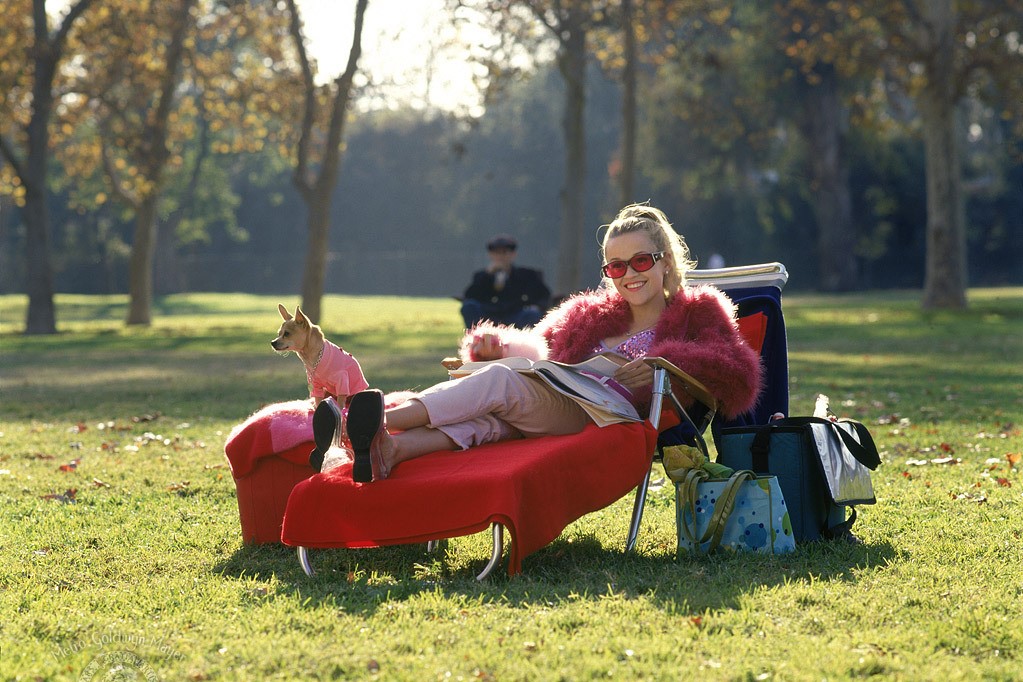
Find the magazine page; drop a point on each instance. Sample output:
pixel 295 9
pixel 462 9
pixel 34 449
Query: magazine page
pixel 467 368
pixel 605 364
pixel 588 391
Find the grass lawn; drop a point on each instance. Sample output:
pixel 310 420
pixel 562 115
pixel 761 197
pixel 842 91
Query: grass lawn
pixel 120 539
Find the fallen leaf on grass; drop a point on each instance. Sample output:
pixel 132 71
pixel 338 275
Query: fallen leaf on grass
pixel 936 460
pixel 145 418
pixel 100 484
pixel 112 425
pixel 1013 458
pixel 1004 482
pixel 977 497
pixel 66 497
pixel 70 466
pixel 178 486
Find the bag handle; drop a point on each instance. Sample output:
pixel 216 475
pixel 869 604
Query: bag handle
pixel 864 451
pixel 689 490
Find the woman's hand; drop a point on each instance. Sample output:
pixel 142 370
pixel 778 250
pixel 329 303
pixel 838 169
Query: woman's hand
pixel 635 374
pixel 486 347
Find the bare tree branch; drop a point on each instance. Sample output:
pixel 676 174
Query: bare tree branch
pixel 12 157
pixel 300 176
pixel 74 12
pixel 341 97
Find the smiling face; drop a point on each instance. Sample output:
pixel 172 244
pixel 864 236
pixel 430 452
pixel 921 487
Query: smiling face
pixel 640 289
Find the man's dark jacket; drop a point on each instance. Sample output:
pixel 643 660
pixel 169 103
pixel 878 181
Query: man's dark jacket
pixel 524 287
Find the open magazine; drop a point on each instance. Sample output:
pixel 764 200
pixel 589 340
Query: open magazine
pixel 589 383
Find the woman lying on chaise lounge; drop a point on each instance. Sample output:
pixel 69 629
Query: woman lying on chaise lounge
pixel 649 312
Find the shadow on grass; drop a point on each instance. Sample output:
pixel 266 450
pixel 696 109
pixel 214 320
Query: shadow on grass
pixel 362 580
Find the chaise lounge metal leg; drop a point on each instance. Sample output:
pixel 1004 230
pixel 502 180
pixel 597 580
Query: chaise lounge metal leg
pixel 495 557
pixel 303 559
pixel 637 513
pixel 661 388
pixel 498 549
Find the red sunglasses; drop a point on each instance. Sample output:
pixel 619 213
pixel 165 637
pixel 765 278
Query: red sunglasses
pixel 641 262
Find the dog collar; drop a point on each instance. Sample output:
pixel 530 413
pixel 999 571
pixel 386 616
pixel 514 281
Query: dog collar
pixel 312 370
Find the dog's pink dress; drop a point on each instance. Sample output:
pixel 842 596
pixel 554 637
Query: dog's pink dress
pixel 338 374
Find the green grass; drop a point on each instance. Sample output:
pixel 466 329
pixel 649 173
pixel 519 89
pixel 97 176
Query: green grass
pixel 137 547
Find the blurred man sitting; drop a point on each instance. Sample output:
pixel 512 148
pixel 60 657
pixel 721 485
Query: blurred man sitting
pixel 503 292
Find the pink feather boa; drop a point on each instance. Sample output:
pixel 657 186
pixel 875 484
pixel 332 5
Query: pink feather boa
pixel 697 332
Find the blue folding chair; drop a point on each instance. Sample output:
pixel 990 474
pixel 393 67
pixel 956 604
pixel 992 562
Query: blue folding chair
pixel 756 291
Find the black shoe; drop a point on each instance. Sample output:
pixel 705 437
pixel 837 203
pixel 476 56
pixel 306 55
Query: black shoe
pixel 326 425
pixel 365 422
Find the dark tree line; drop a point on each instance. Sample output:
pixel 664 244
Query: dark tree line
pixel 867 144
pixel 419 198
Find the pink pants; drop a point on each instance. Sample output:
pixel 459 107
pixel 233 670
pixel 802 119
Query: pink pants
pixel 497 403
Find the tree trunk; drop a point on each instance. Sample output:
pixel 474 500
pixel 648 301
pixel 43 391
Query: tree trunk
pixel 824 127
pixel 628 169
pixel 314 276
pixel 140 272
pixel 945 275
pixel 41 317
pixel 317 189
pixel 140 266
pixel 8 265
pixel 45 54
pixel 572 65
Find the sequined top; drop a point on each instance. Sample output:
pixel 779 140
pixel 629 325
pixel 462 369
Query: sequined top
pixel 636 346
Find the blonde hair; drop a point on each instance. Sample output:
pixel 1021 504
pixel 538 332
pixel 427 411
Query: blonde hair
pixel 652 221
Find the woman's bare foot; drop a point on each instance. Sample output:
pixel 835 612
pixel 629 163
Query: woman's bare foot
pixel 381 454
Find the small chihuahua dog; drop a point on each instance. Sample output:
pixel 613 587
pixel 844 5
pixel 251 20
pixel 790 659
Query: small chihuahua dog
pixel 332 374
pixel 330 370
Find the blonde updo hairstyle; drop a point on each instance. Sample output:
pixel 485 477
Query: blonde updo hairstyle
pixel 652 221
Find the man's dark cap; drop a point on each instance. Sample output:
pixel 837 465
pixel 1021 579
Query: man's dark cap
pixel 502 241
